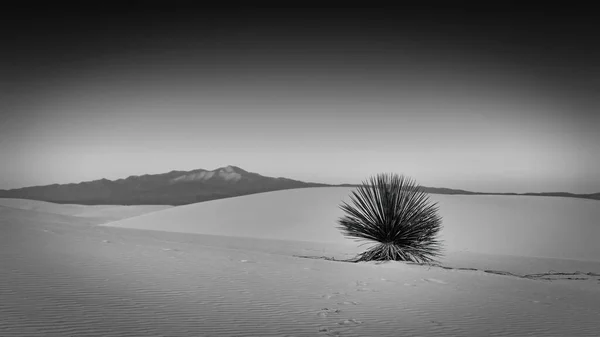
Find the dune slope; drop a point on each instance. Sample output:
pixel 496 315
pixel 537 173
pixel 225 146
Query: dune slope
pixel 300 215
pixel 61 278
pixel 547 227
pixel 105 213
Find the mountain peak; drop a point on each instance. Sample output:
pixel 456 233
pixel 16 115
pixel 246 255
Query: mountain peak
pixel 228 169
pixel 228 173
pixel 233 168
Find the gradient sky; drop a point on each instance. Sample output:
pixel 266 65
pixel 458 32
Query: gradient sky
pixel 488 99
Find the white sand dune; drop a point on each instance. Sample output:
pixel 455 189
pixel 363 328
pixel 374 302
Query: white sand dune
pixel 48 207
pixel 550 227
pixel 113 213
pixel 60 278
pixel 105 213
pixel 298 214
pixel 23 217
pixel 195 274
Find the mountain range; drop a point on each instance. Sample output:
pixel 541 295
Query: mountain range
pixel 186 187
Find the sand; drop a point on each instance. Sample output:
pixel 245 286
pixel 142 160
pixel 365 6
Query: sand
pixel 64 275
pixel 547 227
pixel 104 213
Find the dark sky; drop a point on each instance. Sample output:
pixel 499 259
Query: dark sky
pixel 499 98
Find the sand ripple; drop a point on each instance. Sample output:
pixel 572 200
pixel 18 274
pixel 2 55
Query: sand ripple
pixel 90 281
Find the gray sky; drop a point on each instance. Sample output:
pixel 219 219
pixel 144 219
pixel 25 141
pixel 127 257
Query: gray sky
pixel 333 106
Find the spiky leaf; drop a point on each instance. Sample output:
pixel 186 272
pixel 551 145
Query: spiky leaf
pixel 393 212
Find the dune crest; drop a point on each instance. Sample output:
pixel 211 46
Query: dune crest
pixel 559 228
pixel 102 213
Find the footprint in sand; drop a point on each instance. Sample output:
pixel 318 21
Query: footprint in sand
pixel 326 312
pixel 170 250
pixel 351 321
pixel 362 289
pixel 329 332
pixel 334 295
pixel 349 303
pixel 434 280
pixel 540 302
pixel 386 280
pixel 56 232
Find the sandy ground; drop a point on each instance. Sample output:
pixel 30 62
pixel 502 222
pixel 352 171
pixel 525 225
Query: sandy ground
pixel 63 275
pixel 102 213
pixel 549 227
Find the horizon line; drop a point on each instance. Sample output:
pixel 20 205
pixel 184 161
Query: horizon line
pixel 308 182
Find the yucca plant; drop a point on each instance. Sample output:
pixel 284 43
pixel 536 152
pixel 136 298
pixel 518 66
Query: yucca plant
pixel 395 214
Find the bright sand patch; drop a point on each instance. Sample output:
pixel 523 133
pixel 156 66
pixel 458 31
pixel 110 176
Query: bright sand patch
pixel 62 278
pixel 550 227
pixel 105 213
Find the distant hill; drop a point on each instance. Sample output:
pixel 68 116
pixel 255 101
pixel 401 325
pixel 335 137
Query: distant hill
pixel 172 188
pixel 187 187
pixel 593 196
pixel 442 190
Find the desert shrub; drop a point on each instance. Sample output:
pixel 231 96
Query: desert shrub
pixel 395 214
